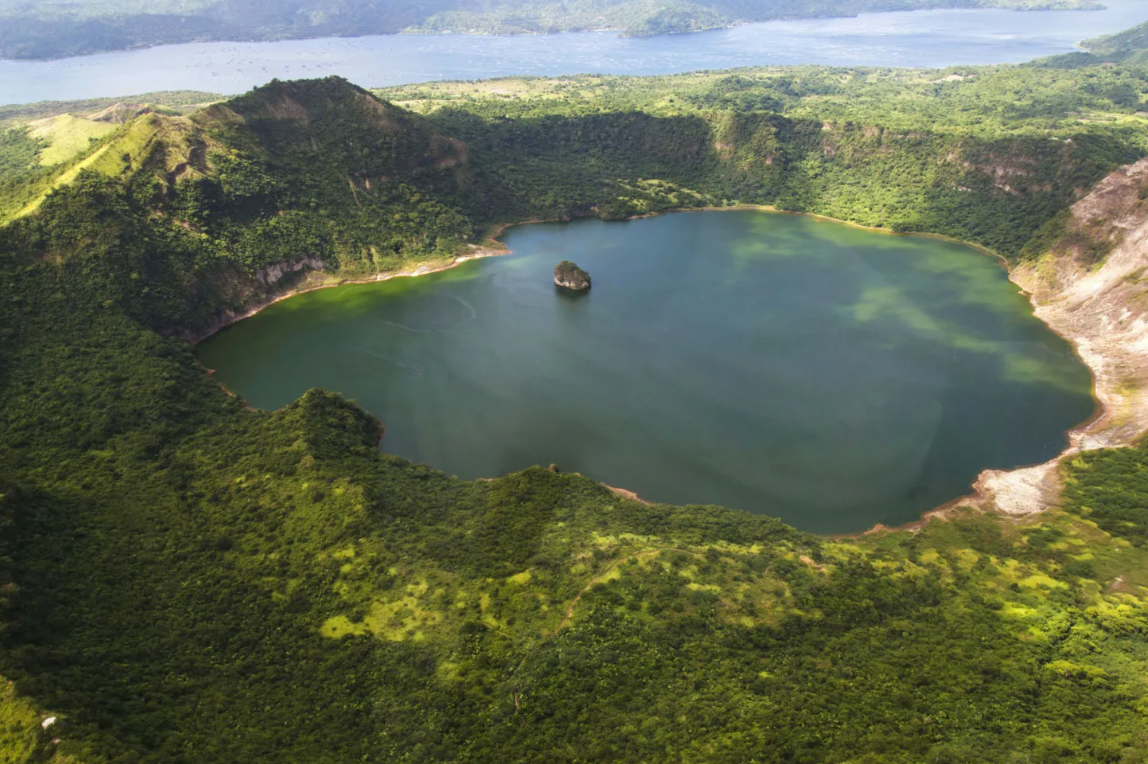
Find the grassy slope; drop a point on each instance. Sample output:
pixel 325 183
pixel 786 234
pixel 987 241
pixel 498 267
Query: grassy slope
pixel 1128 41
pixel 43 145
pixel 199 582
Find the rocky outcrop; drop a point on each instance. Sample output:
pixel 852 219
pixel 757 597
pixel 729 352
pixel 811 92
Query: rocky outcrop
pixel 272 273
pixel 1102 308
pixel 570 276
pixel 244 294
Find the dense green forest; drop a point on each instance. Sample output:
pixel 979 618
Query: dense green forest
pixel 57 28
pixel 983 154
pixel 183 579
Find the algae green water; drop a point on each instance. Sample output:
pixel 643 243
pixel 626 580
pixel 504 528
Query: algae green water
pixel 830 376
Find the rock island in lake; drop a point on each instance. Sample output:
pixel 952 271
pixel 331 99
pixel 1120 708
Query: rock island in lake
pixel 569 275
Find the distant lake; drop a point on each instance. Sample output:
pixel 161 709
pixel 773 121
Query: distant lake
pixel 916 39
pixel 826 375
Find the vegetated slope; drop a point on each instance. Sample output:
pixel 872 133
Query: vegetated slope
pixel 14 115
pixel 192 581
pixel 42 144
pixel 1127 47
pixel 1125 42
pixel 983 154
pixel 55 28
pixel 987 156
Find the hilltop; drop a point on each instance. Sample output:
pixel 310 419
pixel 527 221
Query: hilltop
pixel 186 580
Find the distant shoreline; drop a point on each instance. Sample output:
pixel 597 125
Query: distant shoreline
pixel 257 36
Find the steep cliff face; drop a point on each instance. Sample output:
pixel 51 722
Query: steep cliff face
pixel 1091 286
pixel 1103 306
pixel 240 293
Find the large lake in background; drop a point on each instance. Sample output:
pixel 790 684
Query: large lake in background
pixel 913 39
pixel 827 375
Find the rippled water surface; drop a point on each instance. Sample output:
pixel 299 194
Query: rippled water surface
pixel 917 39
pixel 827 375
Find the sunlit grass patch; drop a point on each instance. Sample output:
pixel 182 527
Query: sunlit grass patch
pixel 1041 581
pixel 67 136
pixel 520 578
pixel 19 725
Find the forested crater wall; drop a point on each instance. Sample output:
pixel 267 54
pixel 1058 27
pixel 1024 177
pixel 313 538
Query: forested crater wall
pixel 184 580
pixel 322 171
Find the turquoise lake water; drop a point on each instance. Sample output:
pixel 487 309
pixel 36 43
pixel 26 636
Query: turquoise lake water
pixel 827 375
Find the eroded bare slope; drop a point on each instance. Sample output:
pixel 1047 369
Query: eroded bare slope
pixel 1091 287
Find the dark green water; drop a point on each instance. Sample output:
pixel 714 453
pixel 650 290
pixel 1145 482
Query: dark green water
pixel 833 377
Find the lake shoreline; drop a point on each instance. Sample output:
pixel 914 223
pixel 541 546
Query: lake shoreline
pixel 415 31
pixel 989 492
pixel 490 249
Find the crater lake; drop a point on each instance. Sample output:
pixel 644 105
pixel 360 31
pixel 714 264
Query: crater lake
pixel 830 376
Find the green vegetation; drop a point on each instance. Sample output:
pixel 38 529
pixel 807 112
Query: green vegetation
pixel 569 275
pixel 1110 488
pixel 1130 41
pixel 186 580
pixel 45 144
pixel 56 28
pixel 982 154
pixel 987 155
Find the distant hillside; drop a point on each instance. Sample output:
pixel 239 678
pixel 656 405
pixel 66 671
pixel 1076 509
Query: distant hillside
pixel 1124 43
pixel 654 17
pixel 43 144
pixel 57 28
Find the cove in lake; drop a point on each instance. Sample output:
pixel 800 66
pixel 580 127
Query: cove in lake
pixel 830 376
pixel 916 39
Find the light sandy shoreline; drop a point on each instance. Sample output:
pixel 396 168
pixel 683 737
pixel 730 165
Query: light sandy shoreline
pixel 1098 311
pixel 1017 492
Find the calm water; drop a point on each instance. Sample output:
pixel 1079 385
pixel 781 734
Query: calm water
pixel 918 39
pixel 830 376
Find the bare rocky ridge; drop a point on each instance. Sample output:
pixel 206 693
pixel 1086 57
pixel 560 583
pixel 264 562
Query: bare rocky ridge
pixel 1102 308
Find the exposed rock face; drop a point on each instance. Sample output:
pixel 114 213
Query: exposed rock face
pixel 570 276
pixel 244 294
pixel 1090 288
pixel 272 273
